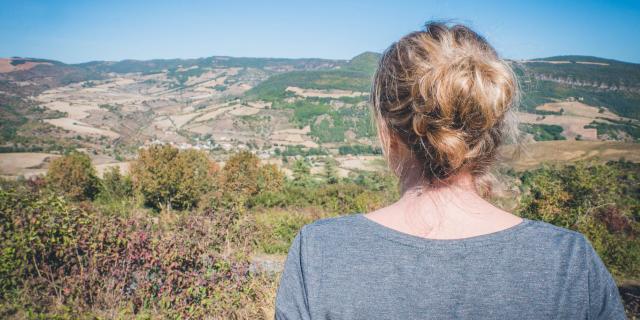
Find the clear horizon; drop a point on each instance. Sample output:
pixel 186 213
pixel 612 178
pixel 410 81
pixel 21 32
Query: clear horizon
pixel 76 32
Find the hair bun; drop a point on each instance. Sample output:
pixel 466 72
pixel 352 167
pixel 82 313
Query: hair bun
pixel 446 93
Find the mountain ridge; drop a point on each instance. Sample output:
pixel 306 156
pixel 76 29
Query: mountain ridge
pixel 576 58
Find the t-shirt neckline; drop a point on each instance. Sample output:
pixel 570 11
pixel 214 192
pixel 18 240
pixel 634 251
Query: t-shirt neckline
pixel 406 238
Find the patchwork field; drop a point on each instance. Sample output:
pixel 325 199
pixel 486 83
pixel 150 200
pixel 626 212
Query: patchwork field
pixel 284 109
pixel 573 116
pixel 80 127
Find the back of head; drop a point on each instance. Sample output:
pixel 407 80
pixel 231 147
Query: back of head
pixel 446 96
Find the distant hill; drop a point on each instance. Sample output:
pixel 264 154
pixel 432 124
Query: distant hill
pixel 354 75
pixel 264 102
pixel 597 81
pixel 587 71
pixel 44 74
pixel 365 62
pixel 157 65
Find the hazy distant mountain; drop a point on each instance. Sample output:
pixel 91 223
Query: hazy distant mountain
pixel 50 73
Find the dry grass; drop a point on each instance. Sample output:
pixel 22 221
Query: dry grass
pixel 27 163
pixel 80 127
pixel 30 164
pixel 6 66
pixel 562 152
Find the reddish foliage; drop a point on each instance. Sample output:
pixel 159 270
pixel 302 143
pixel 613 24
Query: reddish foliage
pixel 614 220
pixel 179 268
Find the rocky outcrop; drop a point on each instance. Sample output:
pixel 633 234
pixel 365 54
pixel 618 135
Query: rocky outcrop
pixel 586 83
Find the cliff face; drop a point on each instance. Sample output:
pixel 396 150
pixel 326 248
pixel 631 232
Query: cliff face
pixel 587 83
pixel 607 83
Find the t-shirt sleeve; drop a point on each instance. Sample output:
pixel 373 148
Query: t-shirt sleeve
pixel 604 298
pixel 291 296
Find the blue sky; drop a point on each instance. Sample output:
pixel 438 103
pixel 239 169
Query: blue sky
pixel 79 31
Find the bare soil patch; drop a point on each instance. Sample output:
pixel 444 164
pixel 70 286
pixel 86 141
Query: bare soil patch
pixel 25 163
pixel 81 127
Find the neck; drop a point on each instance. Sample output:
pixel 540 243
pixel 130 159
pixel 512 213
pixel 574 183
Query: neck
pixel 462 182
pixel 442 209
pixel 450 209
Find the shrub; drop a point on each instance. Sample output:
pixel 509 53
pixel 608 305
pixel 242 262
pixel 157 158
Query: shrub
pixel 270 178
pixel 598 200
pixel 172 179
pixel 39 239
pixel 244 182
pixel 61 260
pixel 74 176
pixel 240 174
pixel 116 195
pixel 302 173
pixel 115 185
pixel 275 229
pixel 331 171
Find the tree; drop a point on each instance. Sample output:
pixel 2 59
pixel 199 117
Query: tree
pixel 330 171
pixel 245 182
pixel 270 178
pixel 74 176
pixel 115 185
pixel 240 174
pixel 170 178
pixel 301 173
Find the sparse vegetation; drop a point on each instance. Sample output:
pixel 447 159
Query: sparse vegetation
pixel 616 130
pixel 359 149
pixel 291 151
pixel 110 108
pixel 543 132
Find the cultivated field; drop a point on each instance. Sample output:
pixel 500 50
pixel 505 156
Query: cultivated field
pixel 575 116
pixel 561 152
pixel 29 164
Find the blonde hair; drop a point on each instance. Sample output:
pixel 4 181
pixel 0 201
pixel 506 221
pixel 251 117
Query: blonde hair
pixel 445 94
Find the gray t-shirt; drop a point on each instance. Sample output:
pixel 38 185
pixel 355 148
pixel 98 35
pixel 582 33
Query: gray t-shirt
pixel 351 267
